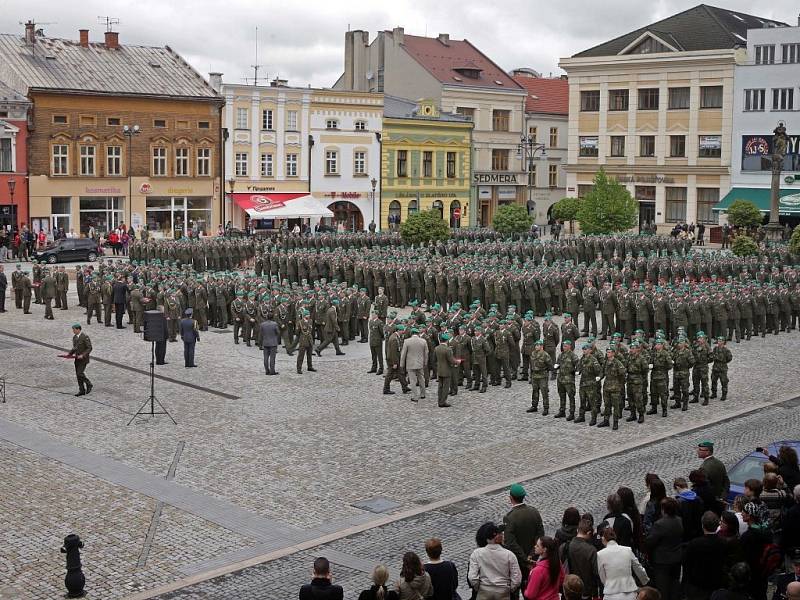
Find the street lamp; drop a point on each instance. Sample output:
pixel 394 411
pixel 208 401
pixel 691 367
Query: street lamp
pixel 374 183
pixel 12 185
pixel 129 132
pixel 527 149
pixel 231 185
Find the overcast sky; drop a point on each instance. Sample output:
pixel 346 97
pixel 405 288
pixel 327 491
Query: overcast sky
pixel 303 40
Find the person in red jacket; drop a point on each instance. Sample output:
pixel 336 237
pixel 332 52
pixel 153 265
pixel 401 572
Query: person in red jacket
pixel 547 576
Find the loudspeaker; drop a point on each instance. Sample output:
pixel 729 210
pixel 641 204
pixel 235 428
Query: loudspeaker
pixel 155 326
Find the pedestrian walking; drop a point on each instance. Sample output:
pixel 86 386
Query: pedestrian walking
pixel 81 349
pixel 270 338
pixel 190 336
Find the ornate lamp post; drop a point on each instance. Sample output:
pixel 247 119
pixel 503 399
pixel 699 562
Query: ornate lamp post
pixel 779 141
pixel 374 183
pixel 12 185
pixel 129 132
pixel 527 150
pixel 231 185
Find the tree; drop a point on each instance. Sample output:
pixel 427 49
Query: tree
pixel 744 245
pixel 423 227
pixel 743 213
pixel 566 209
pixel 511 218
pixel 608 208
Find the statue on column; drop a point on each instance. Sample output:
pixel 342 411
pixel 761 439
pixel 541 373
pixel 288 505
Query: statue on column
pixel 779 143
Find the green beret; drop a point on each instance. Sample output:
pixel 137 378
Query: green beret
pixel 566 314
pixel 517 491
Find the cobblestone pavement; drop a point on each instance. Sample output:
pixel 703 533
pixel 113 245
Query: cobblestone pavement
pixel 260 444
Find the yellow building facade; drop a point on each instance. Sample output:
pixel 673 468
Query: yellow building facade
pixel 425 163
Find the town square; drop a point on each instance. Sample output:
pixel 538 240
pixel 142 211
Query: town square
pixel 422 321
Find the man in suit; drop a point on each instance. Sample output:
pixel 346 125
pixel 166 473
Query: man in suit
pixel 3 286
pixel 48 293
pixel 321 587
pixel 523 527
pixel 119 296
pixel 715 471
pixel 793 576
pixel 270 338
pixel 190 336
pixel 445 363
pixel 413 360
pixel 81 349
pixel 704 561
pixel 393 361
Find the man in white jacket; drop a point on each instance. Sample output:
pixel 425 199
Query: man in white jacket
pixel 493 570
pixel 617 565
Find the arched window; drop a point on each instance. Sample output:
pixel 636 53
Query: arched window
pixel 455 214
pixel 437 205
pixel 413 207
pixel 394 215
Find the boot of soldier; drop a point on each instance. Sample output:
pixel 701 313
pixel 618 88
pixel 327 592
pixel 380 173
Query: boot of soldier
pixel 685 405
pixel 615 426
pixel 560 415
pixel 593 422
pixel 713 393
pixel 664 412
pixel 546 411
pixel 653 410
pixel 724 396
pixel 695 399
pixel 523 377
pixel 571 416
pixel 533 409
pixel 604 423
pixel 373 369
pixel 514 375
pixel 581 417
pixel 641 417
pixel 379 371
pixel 632 417
pixel 675 404
pixel 705 401
pixel 483 388
pixel 476 385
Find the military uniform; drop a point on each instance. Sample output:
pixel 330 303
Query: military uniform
pixel 682 361
pixel 590 370
pixel 614 373
pixel 541 366
pixel 659 381
pixel 566 367
pixel 720 356
pixel 637 369
pixel 81 349
pixel 479 349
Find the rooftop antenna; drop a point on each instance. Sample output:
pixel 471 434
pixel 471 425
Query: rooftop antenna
pixel 109 22
pixel 256 66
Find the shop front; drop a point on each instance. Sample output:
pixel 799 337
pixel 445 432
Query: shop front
pixel 396 207
pixel 173 210
pixel 497 188
pixel 352 211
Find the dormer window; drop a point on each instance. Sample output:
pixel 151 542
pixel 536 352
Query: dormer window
pixel 470 72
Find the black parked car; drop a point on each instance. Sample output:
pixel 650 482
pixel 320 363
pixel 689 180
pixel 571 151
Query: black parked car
pixel 70 249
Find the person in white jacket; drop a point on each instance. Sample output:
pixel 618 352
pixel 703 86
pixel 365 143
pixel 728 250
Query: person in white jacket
pixel 617 565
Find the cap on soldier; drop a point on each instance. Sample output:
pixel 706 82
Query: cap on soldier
pixel 539 342
pixel 401 327
pixel 634 345
pixel 701 334
pixel 567 342
pixel 616 334
pixel 548 314
pixel 517 491
pixel 586 347
pixel 414 330
pixel 76 325
pixel 706 444
pixel 566 314
pixel 445 336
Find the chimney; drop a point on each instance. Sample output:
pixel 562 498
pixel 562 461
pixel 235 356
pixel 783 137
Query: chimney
pixel 444 38
pixel 84 37
pixel 112 40
pixel 798 20
pixel 30 32
pixel 398 35
pixel 215 81
pixel 349 43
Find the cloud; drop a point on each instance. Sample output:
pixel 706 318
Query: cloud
pixel 304 41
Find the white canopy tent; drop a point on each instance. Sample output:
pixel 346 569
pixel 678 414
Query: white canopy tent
pixel 273 206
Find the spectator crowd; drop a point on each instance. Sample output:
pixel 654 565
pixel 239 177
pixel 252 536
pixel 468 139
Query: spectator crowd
pixel 681 540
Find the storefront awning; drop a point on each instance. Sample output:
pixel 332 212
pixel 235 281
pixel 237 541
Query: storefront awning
pixel 281 206
pixel 788 203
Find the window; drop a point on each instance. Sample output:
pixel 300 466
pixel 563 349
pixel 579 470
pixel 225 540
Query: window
pixel 754 100
pixel 60 120
pixel 113 121
pixel 585 189
pixel 241 118
pixel 451 165
pixel 677 146
pixel 617 145
pixel 159 123
pixel 554 137
pixel 790 53
pixel 707 198
pixel 532 131
pixel 266 119
pixel 181 124
pixel 499 160
pixel 500 120
pixel 710 146
pixel 203 125
pixel 783 99
pixel 266 165
pixel 427 164
pixel 87 160
pixel 676 204
pixel 552 175
pixel 113 161
pixel 647 145
pixel 413 207
pixel 87 121
pixel 360 126
pixel 590 101
pixel 331 124
pixel 241 164
pixel 181 162
pixel 359 162
pixel 618 100
pixel 679 98
pixel 648 99
pixel 532 175
pixel 60 159
pixel 765 55
pixel 291 120
pixel 467 112
pixel 291 165
pixel 711 96
pixel 402 163
pixel 203 162
pixel 5 155
pixel 587 145
pixel 331 162
pixel 159 161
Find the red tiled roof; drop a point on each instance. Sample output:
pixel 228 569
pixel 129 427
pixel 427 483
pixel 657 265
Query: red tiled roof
pixel 442 60
pixel 549 96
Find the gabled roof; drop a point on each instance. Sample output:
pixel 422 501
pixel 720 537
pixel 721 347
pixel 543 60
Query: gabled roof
pixel 395 107
pixel 64 65
pixel 441 60
pixel 703 27
pixel 8 94
pixel 545 95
